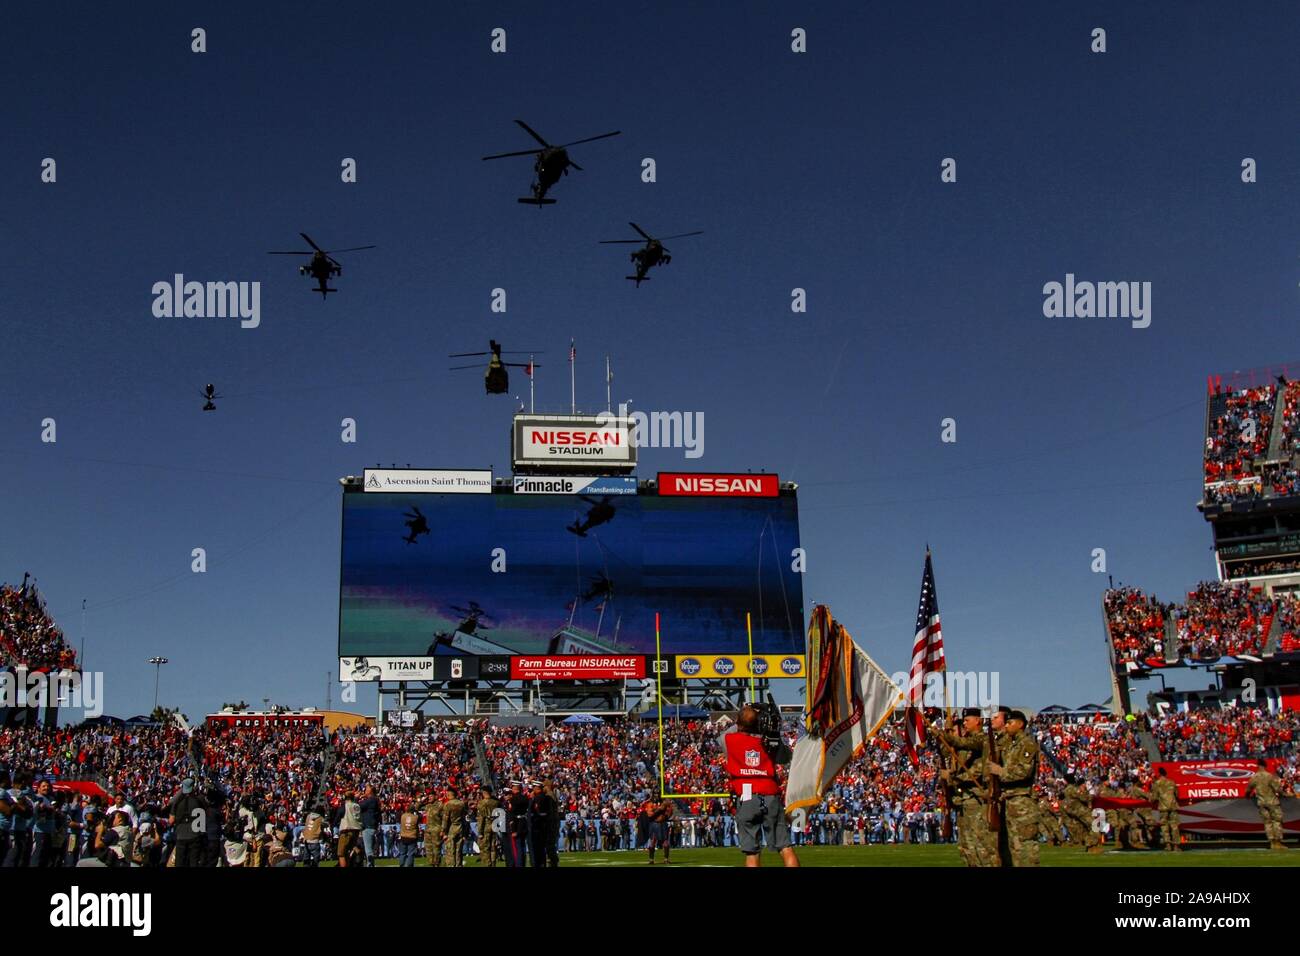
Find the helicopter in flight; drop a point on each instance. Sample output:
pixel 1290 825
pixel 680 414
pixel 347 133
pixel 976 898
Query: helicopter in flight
pixel 496 380
pixel 652 254
pixel 600 512
pixel 322 264
pixel 552 163
pixel 209 394
pixel 416 525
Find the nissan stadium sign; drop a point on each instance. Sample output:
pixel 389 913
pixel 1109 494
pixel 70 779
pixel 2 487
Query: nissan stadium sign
pixel 677 484
pixel 572 443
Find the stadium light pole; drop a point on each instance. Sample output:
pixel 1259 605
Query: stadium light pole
pixel 157 663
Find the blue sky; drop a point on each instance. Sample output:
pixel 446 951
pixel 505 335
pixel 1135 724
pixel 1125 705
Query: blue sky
pixel 818 171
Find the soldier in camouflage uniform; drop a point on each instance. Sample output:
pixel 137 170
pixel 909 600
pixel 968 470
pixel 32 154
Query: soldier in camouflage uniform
pixel 1018 770
pixel 1132 819
pixel 433 819
pixel 453 828
pixel 1267 791
pixel 1077 809
pixel 488 847
pixel 975 841
pixel 1165 795
pixel 1109 789
pixel 1049 822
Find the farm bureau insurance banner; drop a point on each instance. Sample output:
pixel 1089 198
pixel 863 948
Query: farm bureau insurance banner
pixel 852 700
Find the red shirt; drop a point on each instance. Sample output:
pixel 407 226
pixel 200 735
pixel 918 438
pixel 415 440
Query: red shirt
pixel 748 763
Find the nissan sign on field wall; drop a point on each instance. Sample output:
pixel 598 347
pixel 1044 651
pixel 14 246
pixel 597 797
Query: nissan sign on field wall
pixel 423 481
pixel 743 486
pixel 583 444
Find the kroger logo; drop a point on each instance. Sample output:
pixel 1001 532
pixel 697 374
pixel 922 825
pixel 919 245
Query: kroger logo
pixel 757 665
pixel 724 666
pixel 791 665
pixel 690 666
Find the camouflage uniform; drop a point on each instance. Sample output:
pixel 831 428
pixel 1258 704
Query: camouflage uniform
pixel 1049 822
pixel 433 817
pixel 488 848
pixel 1112 816
pixel 976 842
pixel 1267 790
pixel 1076 808
pixel 453 830
pixel 1020 812
pixel 1165 793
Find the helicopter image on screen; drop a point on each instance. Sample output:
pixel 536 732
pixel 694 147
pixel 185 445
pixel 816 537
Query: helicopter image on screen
pixel 600 512
pixel 416 524
pixel 552 163
pixel 652 254
pixel 496 380
pixel 466 638
pixel 209 394
pixel 322 264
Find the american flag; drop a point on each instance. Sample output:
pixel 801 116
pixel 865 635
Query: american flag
pixel 927 658
pixel 573 352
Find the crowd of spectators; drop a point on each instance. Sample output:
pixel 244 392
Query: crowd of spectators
pixel 1137 625
pixel 28 635
pixel 1239 434
pixel 1221 619
pixel 1291 418
pixel 1225 734
pixel 1092 750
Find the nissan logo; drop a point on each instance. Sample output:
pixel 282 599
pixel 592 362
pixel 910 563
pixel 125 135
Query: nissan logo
pixel 724 666
pixel 690 666
pixel 791 665
pixel 758 665
pixel 1223 773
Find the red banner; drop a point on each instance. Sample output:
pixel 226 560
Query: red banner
pixel 576 668
pixel 1212 779
pixel 737 486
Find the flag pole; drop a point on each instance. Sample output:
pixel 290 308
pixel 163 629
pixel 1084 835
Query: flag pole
pixel 608 379
pixel 532 370
pixel 573 388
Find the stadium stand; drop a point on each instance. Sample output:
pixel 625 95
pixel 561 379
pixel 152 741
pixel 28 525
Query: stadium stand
pixel 28 635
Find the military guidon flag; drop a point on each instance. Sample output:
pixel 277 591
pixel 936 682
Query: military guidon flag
pixel 927 658
pixel 849 699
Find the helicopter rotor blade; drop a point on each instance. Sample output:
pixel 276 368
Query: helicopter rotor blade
pixel 455 368
pixel 310 242
pixel 521 364
pixel 466 354
pixel 522 152
pixel 615 242
pixel 573 165
pixel 682 235
pixel 591 139
pixel 349 249
pixel 533 133
pixel 641 232
pixel 299 252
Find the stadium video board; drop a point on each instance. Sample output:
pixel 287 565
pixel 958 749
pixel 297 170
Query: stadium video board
pixel 564 574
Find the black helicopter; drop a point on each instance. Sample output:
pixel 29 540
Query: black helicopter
pixel 496 380
pixel 474 615
pixel 651 255
pixel 416 526
pixel 209 393
pixel 552 163
pixel 322 264
pixel 600 512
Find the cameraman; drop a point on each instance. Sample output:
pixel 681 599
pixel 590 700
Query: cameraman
pixel 753 750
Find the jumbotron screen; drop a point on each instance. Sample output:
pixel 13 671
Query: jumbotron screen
pixel 508 573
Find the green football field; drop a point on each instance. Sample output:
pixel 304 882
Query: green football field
pixel 908 855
